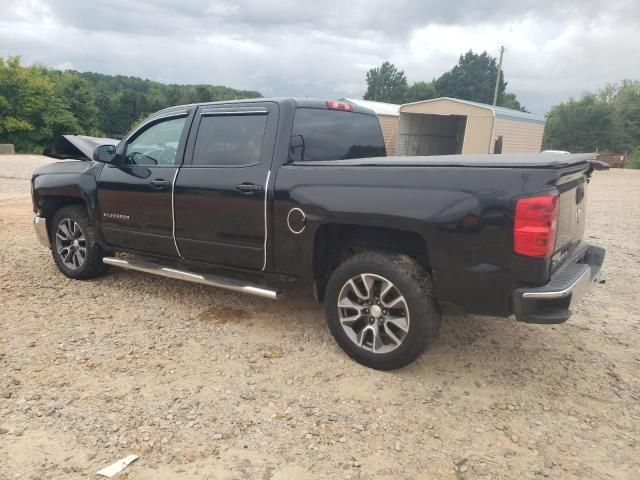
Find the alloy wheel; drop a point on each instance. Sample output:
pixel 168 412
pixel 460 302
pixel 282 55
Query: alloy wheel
pixel 71 244
pixel 373 313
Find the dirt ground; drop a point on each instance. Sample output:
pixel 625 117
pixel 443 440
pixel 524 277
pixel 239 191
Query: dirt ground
pixel 203 383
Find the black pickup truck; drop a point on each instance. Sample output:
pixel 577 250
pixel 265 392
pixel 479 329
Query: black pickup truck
pixel 298 189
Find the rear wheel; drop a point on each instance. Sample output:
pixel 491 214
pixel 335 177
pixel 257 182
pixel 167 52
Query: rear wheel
pixel 380 309
pixel 73 244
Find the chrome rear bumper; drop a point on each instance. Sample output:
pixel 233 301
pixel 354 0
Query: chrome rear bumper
pixel 40 226
pixel 553 302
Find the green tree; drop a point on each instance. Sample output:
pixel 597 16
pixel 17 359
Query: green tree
pixel 509 100
pixel 582 125
pixel 421 91
pixel 121 100
pixel 79 99
pixel 607 121
pixel 474 78
pixel 386 84
pixel 30 112
pixel 633 158
pixel 37 104
pixel 626 117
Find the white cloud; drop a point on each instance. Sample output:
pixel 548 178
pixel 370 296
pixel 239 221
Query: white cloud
pixel 554 49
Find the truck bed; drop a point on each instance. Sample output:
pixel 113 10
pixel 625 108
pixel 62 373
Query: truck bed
pixel 536 160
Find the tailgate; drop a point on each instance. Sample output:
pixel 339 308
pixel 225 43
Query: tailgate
pixel 571 214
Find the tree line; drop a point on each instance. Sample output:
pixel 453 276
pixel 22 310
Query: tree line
pixel 37 103
pixel 473 78
pixel 605 121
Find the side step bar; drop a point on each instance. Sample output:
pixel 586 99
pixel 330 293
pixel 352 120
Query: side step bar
pixel 205 279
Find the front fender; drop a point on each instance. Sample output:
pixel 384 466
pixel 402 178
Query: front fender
pixel 61 183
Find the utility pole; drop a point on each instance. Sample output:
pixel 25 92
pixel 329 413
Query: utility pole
pixel 495 92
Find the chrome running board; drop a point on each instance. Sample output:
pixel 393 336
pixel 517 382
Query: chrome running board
pixel 205 279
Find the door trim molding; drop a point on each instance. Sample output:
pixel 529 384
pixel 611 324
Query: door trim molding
pixel 266 226
pixel 173 211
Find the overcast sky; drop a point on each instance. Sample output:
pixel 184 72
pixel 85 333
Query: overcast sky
pixel 554 49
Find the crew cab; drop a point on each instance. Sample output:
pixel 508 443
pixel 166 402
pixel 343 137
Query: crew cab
pixel 250 195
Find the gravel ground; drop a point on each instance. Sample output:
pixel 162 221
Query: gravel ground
pixel 203 383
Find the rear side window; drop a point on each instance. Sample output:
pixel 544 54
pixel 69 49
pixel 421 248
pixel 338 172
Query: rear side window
pixel 229 140
pixel 332 135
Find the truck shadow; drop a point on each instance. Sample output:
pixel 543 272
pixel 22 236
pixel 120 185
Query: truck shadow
pixel 467 345
pixel 482 352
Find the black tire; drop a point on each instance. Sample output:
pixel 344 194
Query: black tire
pixel 92 265
pixel 412 282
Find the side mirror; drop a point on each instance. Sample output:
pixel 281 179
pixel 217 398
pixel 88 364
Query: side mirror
pixel 104 153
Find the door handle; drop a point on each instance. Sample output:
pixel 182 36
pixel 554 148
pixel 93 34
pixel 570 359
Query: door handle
pixel 160 183
pixel 249 188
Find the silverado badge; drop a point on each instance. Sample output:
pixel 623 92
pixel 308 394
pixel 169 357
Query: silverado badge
pixel 118 216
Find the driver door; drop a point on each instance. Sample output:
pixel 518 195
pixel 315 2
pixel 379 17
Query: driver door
pixel 135 192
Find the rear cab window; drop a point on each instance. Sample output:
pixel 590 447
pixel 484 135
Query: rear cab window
pixel 320 135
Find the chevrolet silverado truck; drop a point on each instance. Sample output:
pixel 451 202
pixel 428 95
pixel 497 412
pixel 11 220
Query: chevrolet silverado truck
pixel 251 195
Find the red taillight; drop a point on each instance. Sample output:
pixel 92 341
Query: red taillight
pixel 535 225
pixel 335 105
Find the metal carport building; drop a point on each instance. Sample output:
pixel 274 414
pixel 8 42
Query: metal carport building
pixel 447 126
pixel 388 115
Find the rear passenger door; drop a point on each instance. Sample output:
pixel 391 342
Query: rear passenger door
pixel 221 191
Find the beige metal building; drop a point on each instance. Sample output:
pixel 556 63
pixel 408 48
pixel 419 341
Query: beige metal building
pixel 389 116
pixel 445 126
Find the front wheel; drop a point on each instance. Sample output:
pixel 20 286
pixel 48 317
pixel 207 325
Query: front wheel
pixel 73 245
pixel 380 309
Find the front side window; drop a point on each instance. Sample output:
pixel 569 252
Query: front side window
pixel 332 135
pixel 157 145
pixel 229 140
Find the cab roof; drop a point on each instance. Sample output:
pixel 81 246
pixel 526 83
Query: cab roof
pixel 296 102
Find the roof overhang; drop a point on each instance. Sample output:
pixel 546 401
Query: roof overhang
pixel 496 111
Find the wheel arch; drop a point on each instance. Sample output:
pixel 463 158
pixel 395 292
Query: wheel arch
pixel 48 205
pixel 335 242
